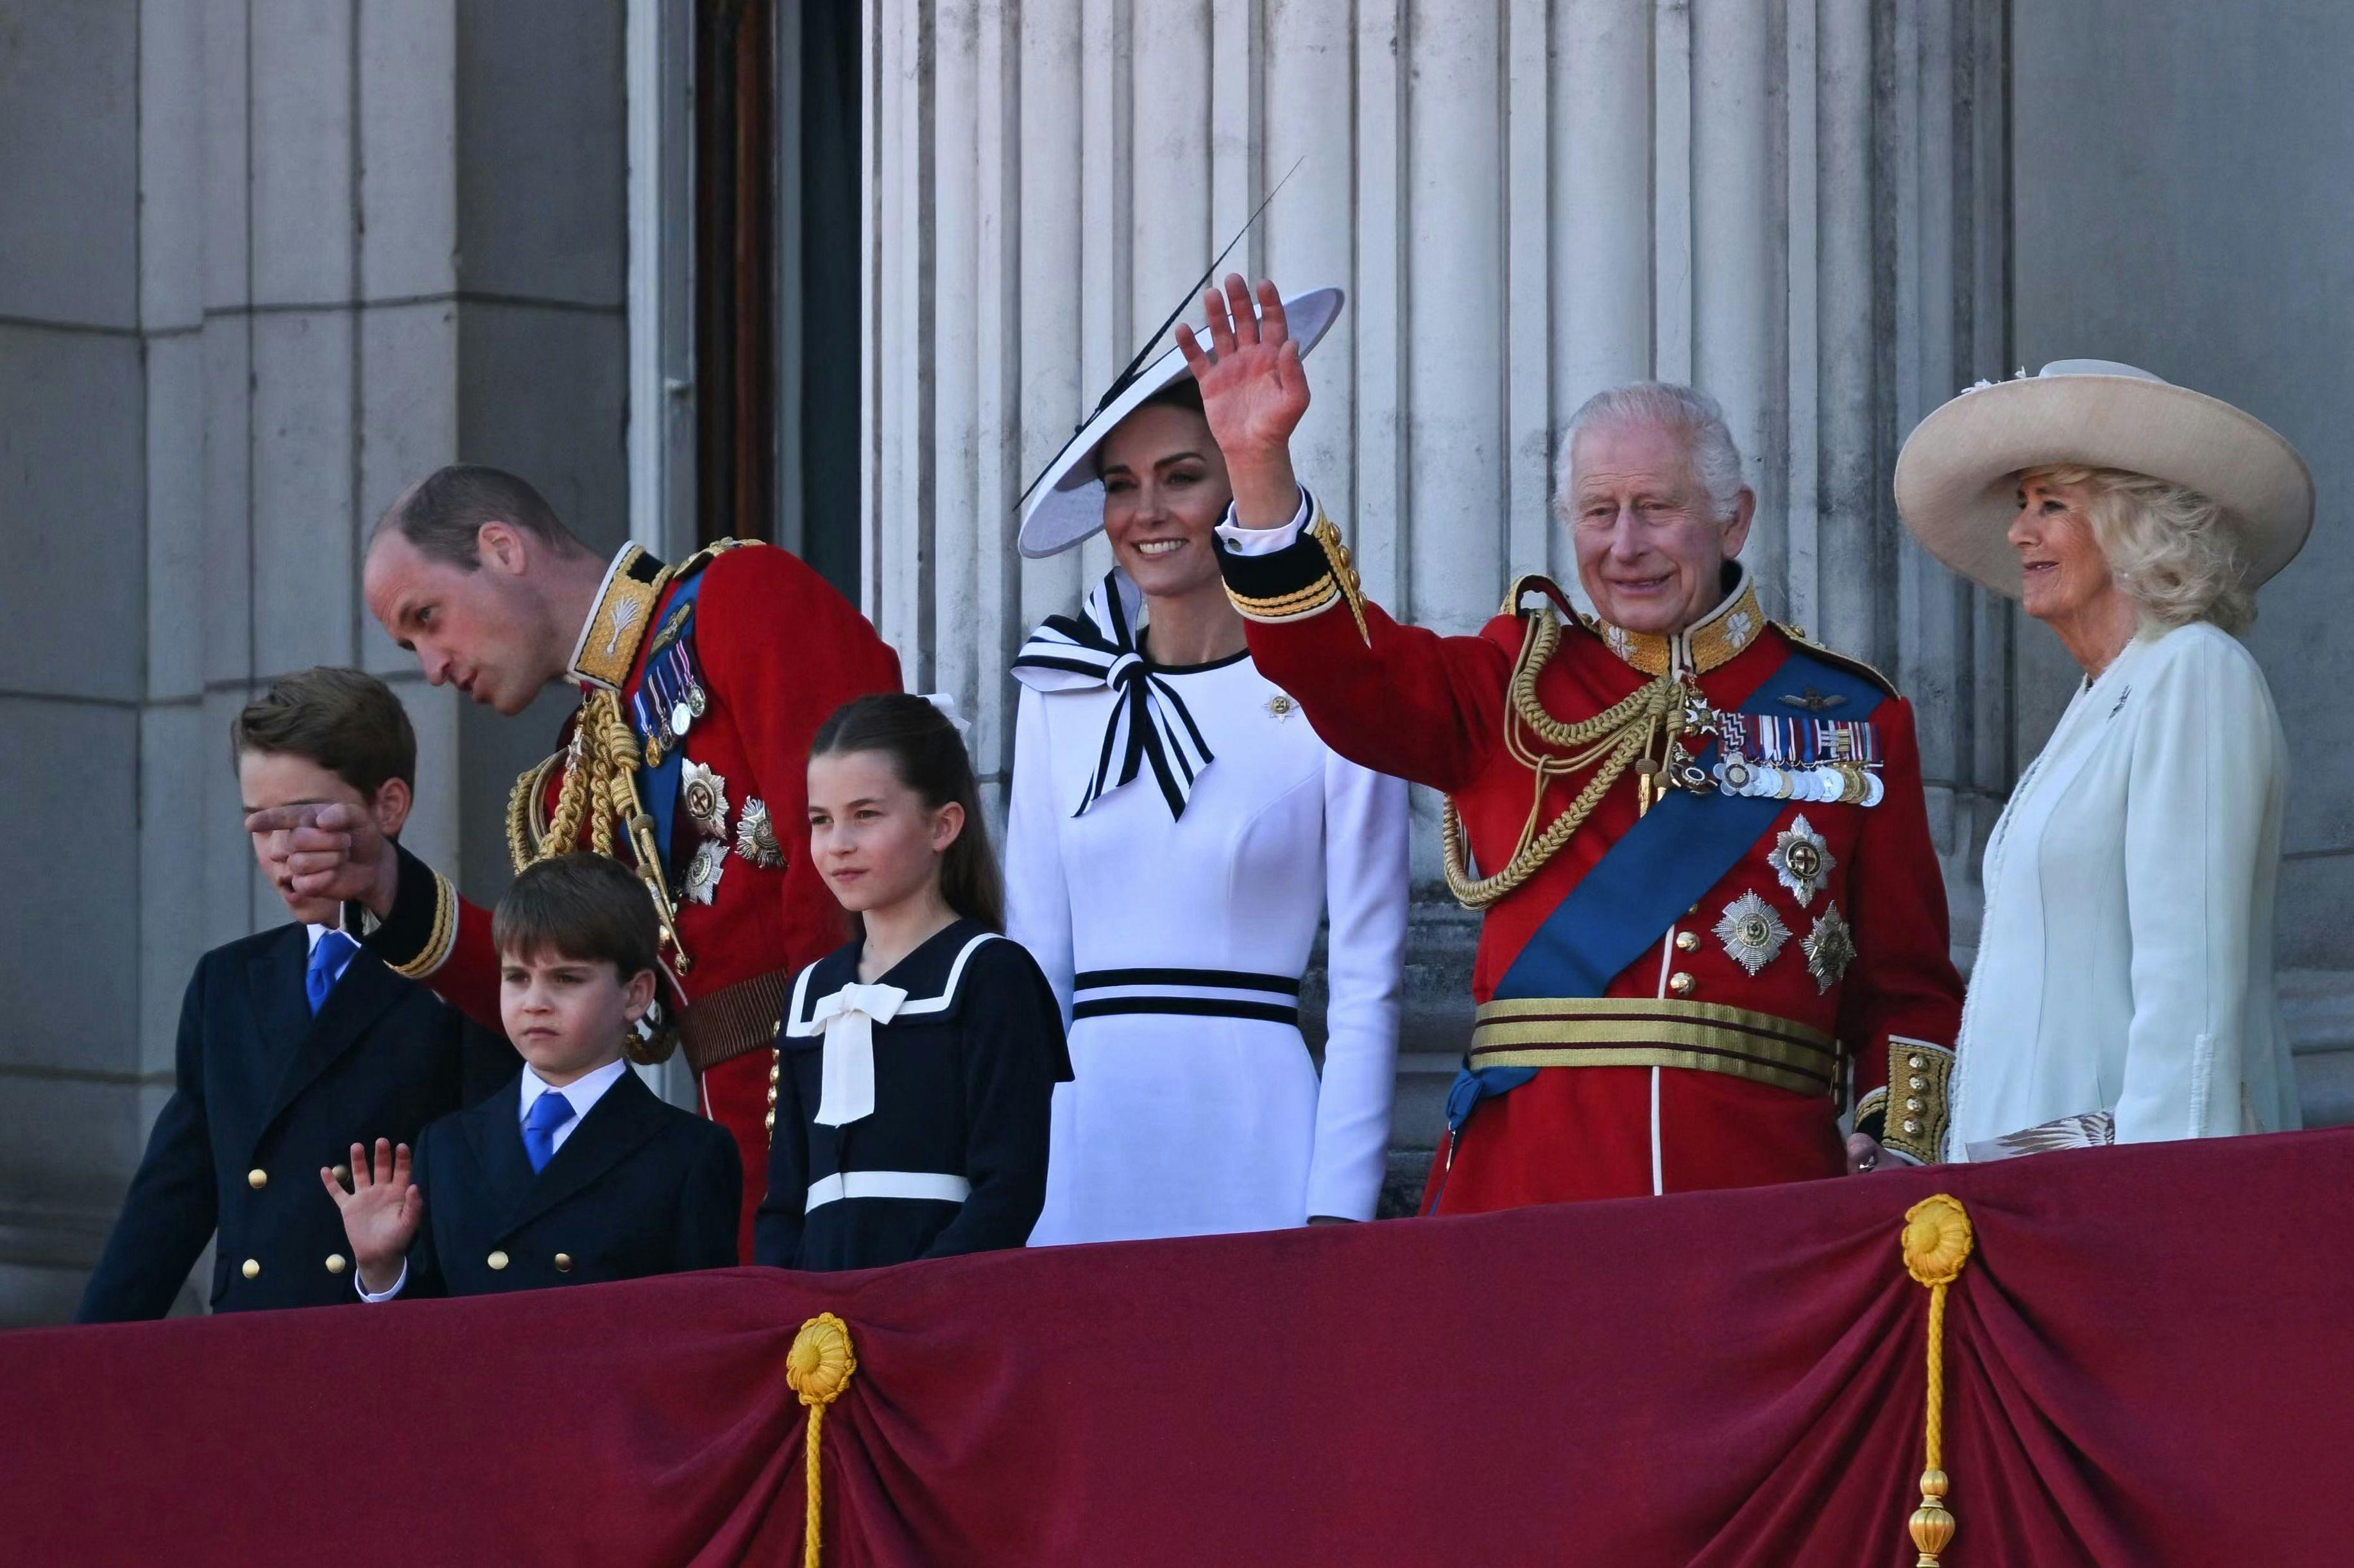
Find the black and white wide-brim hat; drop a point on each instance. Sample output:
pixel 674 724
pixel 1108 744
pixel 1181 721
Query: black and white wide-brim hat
pixel 1956 478
pixel 1066 502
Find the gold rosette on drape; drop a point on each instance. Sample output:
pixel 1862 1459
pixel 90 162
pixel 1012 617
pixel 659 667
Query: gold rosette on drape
pixel 1938 1240
pixel 818 1366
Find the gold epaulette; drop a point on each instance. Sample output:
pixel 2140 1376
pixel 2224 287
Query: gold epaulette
pixel 1847 661
pixel 708 553
pixel 1536 582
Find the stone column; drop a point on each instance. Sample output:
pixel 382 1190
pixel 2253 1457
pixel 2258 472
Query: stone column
pixel 1797 205
pixel 270 260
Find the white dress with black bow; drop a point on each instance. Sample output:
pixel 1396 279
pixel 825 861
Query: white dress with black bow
pixel 1174 837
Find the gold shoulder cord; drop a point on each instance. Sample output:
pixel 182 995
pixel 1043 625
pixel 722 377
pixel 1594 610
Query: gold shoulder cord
pixel 600 792
pixel 1613 737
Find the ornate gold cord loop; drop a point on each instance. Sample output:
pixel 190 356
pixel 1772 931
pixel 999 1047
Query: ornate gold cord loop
pixel 1938 1241
pixel 818 1366
pixel 1612 738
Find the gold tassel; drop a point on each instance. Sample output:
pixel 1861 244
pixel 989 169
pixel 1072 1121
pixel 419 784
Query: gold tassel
pixel 819 1367
pixel 1937 1241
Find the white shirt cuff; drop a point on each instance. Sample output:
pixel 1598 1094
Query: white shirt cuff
pixel 367 1295
pixel 1244 541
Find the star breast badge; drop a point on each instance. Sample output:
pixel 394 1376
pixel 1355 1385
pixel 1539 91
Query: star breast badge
pixel 1752 933
pixel 1802 863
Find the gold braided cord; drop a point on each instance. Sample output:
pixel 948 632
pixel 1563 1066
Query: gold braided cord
pixel 818 1367
pixel 1936 1243
pixel 525 824
pixel 1613 739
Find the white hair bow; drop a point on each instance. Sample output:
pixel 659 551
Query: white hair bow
pixel 948 710
pixel 846 1072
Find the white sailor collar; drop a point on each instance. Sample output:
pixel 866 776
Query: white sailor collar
pixel 930 978
pixel 1716 638
pixel 607 647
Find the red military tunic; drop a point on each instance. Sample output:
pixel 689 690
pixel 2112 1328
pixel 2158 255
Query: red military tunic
pixel 778 650
pixel 1704 1073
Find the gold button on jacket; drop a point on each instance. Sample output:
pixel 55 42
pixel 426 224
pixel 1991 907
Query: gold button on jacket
pixel 336 1264
pixel 498 1260
pixel 252 1269
pixel 563 1263
pixel 257 1179
pixel 1680 983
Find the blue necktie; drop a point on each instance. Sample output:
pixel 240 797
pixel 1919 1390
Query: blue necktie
pixel 548 1113
pixel 329 958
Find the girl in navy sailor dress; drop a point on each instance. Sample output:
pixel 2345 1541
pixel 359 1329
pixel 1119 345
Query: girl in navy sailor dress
pixel 915 1065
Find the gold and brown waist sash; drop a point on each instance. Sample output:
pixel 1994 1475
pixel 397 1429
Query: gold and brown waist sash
pixel 1613 1031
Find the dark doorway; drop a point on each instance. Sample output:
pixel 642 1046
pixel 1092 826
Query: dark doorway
pixel 776 277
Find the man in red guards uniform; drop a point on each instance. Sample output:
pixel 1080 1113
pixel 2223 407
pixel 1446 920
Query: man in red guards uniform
pixel 1711 910
pixel 702 685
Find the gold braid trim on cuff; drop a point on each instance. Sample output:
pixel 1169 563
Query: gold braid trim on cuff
pixel 1613 739
pixel 1340 582
pixel 1918 1107
pixel 445 935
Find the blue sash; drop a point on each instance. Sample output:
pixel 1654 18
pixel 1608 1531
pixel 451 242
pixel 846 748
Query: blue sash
pixel 1674 853
pixel 658 787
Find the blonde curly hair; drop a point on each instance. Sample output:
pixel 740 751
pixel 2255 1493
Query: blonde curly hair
pixel 2166 545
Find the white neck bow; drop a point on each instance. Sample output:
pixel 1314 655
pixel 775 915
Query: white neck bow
pixel 846 1072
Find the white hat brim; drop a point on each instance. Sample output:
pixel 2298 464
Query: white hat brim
pixel 1956 478
pixel 1066 505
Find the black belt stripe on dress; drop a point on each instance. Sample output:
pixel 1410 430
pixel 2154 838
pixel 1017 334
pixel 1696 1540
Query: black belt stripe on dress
pixel 1258 995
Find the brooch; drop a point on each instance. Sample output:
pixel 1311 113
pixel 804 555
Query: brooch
pixel 1752 933
pixel 756 837
pixel 1829 947
pixel 705 797
pixel 1281 706
pixel 1801 861
pixel 703 870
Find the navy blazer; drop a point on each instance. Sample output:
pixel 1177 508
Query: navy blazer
pixel 266 1095
pixel 638 1188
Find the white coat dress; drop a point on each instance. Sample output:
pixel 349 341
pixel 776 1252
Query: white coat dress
pixel 1175 944
pixel 2126 960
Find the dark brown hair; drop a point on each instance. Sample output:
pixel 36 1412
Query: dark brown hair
pixel 442 514
pixel 929 758
pixel 346 721
pixel 587 908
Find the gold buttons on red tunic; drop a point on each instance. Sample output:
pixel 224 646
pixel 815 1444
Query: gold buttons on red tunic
pixel 1687 941
pixel 257 1179
pixel 498 1260
pixel 252 1269
pixel 1680 983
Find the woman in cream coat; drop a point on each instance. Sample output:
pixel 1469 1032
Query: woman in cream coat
pixel 2124 985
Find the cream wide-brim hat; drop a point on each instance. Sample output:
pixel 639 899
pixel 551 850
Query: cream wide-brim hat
pixel 1066 504
pixel 1956 478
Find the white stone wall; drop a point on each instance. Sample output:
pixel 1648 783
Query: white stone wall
pixel 261 263
pixel 1797 206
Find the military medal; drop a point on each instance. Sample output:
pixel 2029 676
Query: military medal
pixel 703 870
pixel 1801 861
pixel 756 837
pixel 1752 933
pixel 1829 947
pixel 705 797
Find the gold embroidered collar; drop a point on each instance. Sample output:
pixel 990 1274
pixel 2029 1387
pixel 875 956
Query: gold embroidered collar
pixel 1714 639
pixel 618 621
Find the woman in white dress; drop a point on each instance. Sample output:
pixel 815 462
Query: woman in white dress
pixel 1176 831
pixel 2124 986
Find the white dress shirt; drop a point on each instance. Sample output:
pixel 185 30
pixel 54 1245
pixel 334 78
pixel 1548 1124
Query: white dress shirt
pixel 2126 960
pixel 584 1092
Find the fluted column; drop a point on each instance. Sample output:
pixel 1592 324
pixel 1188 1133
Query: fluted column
pixel 1795 204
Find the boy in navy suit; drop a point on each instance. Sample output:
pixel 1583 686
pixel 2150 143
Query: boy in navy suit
pixel 289 1047
pixel 574 1173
